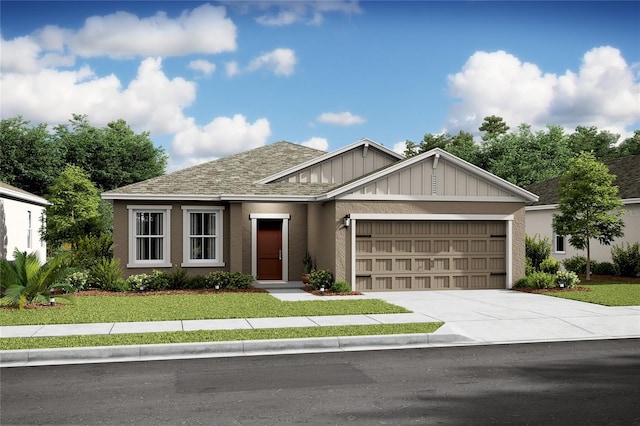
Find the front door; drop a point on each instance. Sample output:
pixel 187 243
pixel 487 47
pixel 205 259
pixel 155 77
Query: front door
pixel 269 249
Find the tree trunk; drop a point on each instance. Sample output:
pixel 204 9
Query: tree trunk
pixel 588 261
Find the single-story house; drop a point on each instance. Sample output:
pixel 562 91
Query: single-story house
pixel 364 212
pixel 540 213
pixel 20 213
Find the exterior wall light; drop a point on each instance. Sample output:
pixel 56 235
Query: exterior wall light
pixel 346 221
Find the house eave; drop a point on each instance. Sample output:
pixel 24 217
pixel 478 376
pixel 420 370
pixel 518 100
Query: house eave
pixel 161 197
pixel 24 197
pixel 625 201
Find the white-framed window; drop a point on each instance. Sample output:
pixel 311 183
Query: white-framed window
pixel 29 230
pixel 149 236
pixel 559 243
pixel 202 236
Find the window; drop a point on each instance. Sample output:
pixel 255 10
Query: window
pixel 559 243
pixel 29 230
pixel 202 228
pixel 149 236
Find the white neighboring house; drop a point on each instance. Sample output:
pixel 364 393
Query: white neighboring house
pixel 20 213
pixel 538 215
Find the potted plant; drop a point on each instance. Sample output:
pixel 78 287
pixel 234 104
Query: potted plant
pixel 307 263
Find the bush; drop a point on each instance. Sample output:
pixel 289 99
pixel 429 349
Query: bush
pixel 537 280
pixel 105 274
pixel 119 285
pixel 89 250
pixel 604 268
pixel 239 281
pixel 197 282
pixel 78 280
pixel 341 287
pixel 577 264
pixel 178 278
pixel 550 266
pixel 566 279
pixel 139 282
pixel 218 278
pixel 627 260
pixel 537 250
pixel 320 278
pixel 158 281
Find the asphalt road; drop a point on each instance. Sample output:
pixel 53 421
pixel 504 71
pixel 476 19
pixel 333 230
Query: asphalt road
pixel 592 382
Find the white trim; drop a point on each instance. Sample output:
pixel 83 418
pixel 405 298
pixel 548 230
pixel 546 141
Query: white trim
pixel 186 225
pixel 392 216
pixel 26 197
pixel 508 255
pixel 160 197
pixel 353 253
pixel 362 142
pixel 272 198
pixel 285 217
pixel 555 236
pixel 625 201
pixel 398 197
pixel 166 242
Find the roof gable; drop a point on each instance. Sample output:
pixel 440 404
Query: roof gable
pixel 10 191
pixel 436 175
pixel 340 166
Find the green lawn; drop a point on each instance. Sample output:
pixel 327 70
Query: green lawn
pixel 215 336
pixel 91 309
pixel 605 294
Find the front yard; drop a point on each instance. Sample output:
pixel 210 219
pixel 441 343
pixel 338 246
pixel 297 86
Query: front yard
pixel 604 294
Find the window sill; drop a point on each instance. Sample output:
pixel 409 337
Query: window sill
pixel 202 264
pixel 149 265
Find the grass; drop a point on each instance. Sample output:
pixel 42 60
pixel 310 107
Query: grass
pixel 214 336
pixel 92 309
pixel 605 294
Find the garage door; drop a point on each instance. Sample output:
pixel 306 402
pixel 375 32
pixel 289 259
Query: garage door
pixel 430 255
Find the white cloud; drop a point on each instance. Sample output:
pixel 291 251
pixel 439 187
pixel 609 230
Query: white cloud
pixel 400 147
pixel 340 118
pixel 602 93
pixel 220 137
pixel 151 102
pixel 205 67
pixel 204 29
pixel 309 12
pixel 280 61
pixel 318 143
pixel 231 68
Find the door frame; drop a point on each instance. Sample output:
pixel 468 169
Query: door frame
pixel 285 241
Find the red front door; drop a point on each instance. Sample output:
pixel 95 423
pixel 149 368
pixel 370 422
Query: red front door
pixel 269 249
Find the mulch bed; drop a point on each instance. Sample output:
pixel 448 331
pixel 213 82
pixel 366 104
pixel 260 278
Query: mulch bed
pixel 551 290
pixel 311 290
pixel 164 292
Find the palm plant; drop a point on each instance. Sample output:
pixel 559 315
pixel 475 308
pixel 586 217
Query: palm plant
pixel 25 280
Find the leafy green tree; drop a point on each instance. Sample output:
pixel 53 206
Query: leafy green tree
pixel 630 146
pixel 460 145
pixel 74 211
pixel 589 205
pixel 493 126
pixel 589 139
pixel 25 280
pixel 29 159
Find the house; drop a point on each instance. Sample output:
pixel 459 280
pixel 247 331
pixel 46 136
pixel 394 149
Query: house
pixel 20 213
pixel 540 213
pixel 367 214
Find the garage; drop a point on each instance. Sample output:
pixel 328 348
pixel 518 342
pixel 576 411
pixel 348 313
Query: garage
pixel 396 255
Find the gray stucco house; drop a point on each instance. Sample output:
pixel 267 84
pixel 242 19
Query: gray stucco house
pixel 367 214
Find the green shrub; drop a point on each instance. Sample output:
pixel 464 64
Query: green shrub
pixel 566 279
pixel 550 266
pixel 239 281
pixel 139 282
pixel 577 264
pixel 78 280
pixel 537 250
pixel 522 282
pixel 627 260
pixel 604 268
pixel 89 250
pixel 537 280
pixel 320 278
pixel 158 281
pixel 341 287
pixel 178 278
pixel 104 274
pixel 119 285
pixel 218 278
pixel 528 267
pixel 197 282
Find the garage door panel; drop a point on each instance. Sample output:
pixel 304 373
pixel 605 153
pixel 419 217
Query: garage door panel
pixel 412 255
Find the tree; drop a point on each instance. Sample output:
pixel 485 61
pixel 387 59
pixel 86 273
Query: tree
pixel 75 208
pixel 630 146
pixel 589 205
pixel 29 159
pixel 493 126
pixel 588 139
pixel 460 145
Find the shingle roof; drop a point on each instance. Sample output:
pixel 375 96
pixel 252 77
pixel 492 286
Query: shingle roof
pixel 626 170
pixel 20 194
pixel 233 175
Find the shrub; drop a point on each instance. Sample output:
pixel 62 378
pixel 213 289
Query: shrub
pixel 78 280
pixel 90 249
pixel 627 260
pixel 528 267
pixel 604 268
pixel 537 249
pixel 320 278
pixel 239 281
pixel 197 282
pixel 537 280
pixel 139 282
pixel 119 285
pixel 178 278
pixel 522 282
pixel 158 281
pixel 341 287
pixel 218 278
pixel 577 264
pixel 550 266
pixel 566 279
pixel 104 274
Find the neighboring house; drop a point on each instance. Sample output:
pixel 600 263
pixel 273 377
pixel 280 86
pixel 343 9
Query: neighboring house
pixel 20 213
pixel 540 213
pixel 367 214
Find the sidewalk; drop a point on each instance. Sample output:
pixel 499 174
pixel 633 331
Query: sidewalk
pixel 470 316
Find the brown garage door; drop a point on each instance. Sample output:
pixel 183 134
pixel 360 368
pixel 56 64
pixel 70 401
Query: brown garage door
pixel 430 255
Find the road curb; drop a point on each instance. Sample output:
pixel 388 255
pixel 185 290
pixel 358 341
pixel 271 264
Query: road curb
pixel 99 354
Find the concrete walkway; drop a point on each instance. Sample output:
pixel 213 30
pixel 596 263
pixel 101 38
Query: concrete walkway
pixel 471 317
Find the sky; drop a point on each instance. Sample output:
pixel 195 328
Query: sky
pixel 210 79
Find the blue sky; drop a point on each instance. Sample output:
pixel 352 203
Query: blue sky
pixel 209 79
